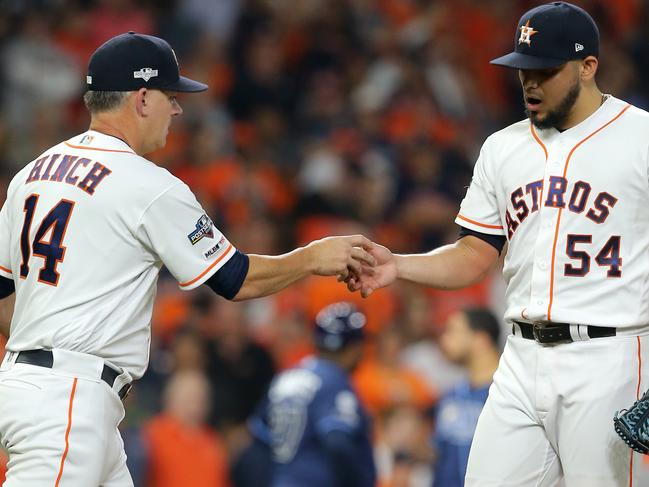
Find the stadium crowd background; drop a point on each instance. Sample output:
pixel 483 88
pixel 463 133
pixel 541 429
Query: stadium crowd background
pixel 323 117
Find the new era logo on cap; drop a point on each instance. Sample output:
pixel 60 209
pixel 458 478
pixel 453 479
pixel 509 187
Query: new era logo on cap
pixel 145 73
pixel 578 47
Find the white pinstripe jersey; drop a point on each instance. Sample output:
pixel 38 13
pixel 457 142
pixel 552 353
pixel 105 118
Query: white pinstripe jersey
pixel 84 231
pixel 574 207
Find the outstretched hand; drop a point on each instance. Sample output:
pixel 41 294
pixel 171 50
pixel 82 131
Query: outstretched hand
pixel 371 278
pixel 341 256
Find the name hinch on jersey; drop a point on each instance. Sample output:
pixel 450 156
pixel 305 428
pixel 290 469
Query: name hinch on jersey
pixel 62 168
pixel 575 201
pixel 204 228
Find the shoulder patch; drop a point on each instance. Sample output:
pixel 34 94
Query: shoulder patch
pixel 203 228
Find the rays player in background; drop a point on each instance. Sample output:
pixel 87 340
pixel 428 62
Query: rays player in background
pixel 318 433
pixel 471 340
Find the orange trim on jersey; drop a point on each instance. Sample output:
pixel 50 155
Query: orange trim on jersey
pixel 189 283
pixel 495 227
pixel 536 137
pixel 556 228
pixel 98 148
pixel 67 432
pixel 5 269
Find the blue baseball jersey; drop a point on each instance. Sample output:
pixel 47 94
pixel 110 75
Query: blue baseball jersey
pixel 304 406
pixel 457 417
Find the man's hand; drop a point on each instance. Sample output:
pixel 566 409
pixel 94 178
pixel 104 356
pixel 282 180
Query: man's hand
pixel 369 279
pixel 340 256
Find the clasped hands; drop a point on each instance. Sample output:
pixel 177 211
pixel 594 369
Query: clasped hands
pixel 354 259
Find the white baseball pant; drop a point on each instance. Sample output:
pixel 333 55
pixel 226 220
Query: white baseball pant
pixel 549 415
pixel 59 424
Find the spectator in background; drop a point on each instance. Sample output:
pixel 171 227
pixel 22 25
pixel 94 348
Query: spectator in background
pixel 39 80
pixel 471 339
pixel 181 448
pixel 238 369
pixel 421 352
pixel 383 382
pixel 317 430
pixel 402 451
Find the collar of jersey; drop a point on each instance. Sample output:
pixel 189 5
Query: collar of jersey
pixel 100 142
pixel 312 362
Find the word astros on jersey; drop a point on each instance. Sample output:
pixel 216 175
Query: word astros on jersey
pixel 64 168
pixel 558 197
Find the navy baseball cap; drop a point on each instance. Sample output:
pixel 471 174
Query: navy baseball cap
pixel 131 61
pixel 338 325
pixel 551 35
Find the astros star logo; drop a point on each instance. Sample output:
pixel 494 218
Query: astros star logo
pixel 526 33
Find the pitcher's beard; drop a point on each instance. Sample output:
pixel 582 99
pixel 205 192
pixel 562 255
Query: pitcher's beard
pixel 557 117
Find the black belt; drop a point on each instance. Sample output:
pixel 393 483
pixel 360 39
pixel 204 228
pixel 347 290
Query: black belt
pixel 45 358
pixel 551 332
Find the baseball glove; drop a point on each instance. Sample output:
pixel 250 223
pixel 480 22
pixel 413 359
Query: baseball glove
pixel 632 425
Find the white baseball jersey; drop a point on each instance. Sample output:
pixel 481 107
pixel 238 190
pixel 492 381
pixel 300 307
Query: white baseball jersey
pixel 574 207
pixel 84 231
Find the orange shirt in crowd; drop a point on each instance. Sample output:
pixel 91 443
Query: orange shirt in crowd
pixel 381 387
pixel 182 456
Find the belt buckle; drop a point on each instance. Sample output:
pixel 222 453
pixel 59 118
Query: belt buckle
pixel 537 326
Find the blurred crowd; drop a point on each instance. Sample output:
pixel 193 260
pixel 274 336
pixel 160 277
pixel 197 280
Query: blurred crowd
pixel 323 117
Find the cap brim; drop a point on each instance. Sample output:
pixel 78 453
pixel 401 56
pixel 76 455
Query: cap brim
pixel 518 60
pixel 186 85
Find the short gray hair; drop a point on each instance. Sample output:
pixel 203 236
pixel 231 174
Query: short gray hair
pixel 103 101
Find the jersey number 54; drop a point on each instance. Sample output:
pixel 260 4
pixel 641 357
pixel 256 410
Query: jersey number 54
pixel 608 256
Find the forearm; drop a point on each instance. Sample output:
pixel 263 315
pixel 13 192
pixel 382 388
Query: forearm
pixel 453 266
pixel 270 274
pixel 6 313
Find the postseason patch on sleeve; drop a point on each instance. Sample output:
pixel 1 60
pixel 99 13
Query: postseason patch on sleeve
pixel 204 228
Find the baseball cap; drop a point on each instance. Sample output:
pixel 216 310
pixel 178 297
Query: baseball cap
pixel 131 61
pixel 551 35
pixel 338 325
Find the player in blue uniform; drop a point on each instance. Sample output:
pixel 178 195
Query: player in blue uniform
pixel 470 340
pixel 318 432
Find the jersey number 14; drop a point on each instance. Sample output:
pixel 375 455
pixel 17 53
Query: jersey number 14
pixel 52 251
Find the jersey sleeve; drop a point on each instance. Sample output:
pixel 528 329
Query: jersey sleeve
pixel 5 242
pixel 177 229
pixel 479 208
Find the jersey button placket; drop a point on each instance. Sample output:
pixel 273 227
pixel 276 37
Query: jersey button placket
pixel 540 285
